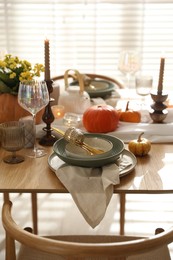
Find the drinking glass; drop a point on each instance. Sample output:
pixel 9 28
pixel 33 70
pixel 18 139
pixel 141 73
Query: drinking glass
pixel 33 96
pixel 129 63
pixel 143 84
pixel 13 140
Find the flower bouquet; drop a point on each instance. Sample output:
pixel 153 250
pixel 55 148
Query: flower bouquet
pixel 13 70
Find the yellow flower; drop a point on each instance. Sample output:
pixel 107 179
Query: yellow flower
pixel 38 68
pixel 12 75
pixel 26 76
pixel 2 64
pixel 13 66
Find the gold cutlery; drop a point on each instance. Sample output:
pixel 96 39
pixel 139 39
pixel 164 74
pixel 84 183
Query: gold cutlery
pixel 75 136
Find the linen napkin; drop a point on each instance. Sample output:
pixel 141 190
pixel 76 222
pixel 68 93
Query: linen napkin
pixel 91 188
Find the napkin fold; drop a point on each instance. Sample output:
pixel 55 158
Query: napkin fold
pixel 91 188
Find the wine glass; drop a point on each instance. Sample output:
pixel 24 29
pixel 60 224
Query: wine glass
pixel 33 96
pixel 13 140
pixel 129 63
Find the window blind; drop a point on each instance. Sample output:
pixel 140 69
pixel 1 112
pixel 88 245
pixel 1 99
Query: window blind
pixel 88 35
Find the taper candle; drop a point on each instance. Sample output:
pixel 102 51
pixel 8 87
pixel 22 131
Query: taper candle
pixel 160 84
pixel 46 59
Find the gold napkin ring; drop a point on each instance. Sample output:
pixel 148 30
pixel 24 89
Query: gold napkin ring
pixel 74 135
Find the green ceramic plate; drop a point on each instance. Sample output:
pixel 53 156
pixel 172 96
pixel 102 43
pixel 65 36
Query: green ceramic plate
pixel 118 148
pixel 55 162
pixel 101 88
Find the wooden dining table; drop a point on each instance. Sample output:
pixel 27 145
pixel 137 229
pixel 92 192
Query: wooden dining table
pixel 153 174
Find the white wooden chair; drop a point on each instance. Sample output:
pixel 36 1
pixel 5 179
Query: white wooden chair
pixel 34 247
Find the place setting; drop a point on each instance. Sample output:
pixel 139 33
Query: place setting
pixel 89 165
pixel 70 153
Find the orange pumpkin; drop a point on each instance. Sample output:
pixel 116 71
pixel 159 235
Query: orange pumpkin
pixel 129 115
pixel 100 119
pixel 10 110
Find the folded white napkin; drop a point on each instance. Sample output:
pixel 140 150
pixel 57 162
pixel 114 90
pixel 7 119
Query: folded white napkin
pixel 91 188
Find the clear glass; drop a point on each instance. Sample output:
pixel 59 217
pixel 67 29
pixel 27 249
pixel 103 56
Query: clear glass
pixel 33 96
pixel 143 84
pixel 13 140
pixel 129 63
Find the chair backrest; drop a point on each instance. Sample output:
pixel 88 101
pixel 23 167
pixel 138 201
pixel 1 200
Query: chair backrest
pixel 83 247
pixel 59 84
pixel 117 82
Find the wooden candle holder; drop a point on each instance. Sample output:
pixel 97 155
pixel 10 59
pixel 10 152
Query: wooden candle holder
pixel 158 112
pixel 48 118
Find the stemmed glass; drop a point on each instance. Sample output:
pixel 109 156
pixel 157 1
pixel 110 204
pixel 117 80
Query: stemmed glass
pixel 33 96
pixel 13 140
pixel 129 63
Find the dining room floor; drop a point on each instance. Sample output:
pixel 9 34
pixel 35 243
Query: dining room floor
pixel 58 213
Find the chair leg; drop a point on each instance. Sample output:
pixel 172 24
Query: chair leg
pixel 9 242
pixel 10 252
pixel 34 212
pixel 122 197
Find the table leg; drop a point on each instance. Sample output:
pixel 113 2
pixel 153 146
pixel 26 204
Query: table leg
pixel 122 197
pixel 6 196
pixel 34 212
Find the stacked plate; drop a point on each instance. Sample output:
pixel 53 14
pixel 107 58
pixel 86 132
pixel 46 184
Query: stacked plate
pixel 74 155
pixel 112 146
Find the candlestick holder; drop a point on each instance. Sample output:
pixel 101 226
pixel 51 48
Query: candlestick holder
pixel 158 112
pixel 48 118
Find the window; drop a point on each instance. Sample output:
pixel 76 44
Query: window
pixel 88 35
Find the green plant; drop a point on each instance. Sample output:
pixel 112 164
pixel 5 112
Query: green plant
pixel 13 70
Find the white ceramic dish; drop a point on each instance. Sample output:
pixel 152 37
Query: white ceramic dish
pixel 55 162
pixel 118 147
pixel 75 151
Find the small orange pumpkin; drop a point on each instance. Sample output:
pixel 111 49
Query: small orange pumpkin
pixel 129 115
pixel 100 119
pixel 10 110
